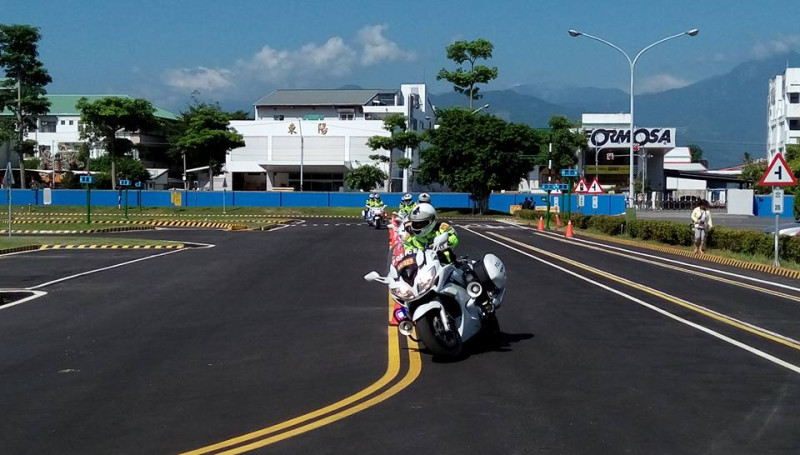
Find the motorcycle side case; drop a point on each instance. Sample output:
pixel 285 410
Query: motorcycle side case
pixel 491 272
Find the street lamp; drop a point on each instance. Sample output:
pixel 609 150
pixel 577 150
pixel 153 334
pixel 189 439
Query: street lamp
pixel 480 108
pixel 575 33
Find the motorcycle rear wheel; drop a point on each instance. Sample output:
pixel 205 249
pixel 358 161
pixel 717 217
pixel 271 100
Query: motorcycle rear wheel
pixel 440 342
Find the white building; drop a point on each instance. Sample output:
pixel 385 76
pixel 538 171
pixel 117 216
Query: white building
pixel 323 131
pixel 783 121
pixel 680 159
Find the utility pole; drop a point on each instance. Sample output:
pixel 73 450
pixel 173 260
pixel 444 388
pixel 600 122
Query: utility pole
pixel 300 126
pixel 20 132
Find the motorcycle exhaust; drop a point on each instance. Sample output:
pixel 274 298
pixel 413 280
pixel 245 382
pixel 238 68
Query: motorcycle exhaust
pixel 474 289
pixel 405 327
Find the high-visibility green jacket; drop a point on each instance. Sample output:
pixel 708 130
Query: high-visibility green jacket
pixel 420 242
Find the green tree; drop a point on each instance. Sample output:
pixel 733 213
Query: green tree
pixel 127 167
pixel 465 80
pixel 752 173
pixel 204 136
pixel 477 153
pixel 400 139
pixel 567 141
pixel 365 177
pixel 697 153
pixel 102 119
pixel 23 91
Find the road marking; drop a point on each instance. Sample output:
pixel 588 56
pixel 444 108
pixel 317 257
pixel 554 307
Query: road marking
pixel 335 411
pixel 102 269
pixel 36 295
pixel 606 246
pixel 711 332
pixel 627 253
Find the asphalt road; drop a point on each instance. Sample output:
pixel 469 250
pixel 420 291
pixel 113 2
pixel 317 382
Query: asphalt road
pixel 609 353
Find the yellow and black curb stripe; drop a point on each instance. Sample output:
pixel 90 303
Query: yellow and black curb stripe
pixel 137 223
pixel 177 246
pixel 795 274
pixel 77 231
pixel 19 248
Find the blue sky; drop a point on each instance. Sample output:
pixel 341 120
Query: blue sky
pixel 236 51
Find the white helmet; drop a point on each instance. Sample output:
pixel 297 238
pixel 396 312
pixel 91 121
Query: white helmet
pixel 425 198
pixel 373 196
pixel 407 198
pixel 423 219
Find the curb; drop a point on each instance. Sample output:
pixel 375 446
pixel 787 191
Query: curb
pixel 20 248
pixel 705 257
pixel 109 247
pixel 76 231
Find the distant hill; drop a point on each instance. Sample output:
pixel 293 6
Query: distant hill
pixel 510 106
pixel 726 115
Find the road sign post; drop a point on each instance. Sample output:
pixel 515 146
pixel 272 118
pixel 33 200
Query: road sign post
pixel 139 198
pixel 778 174
pixel 8 182
pixel 125 184
pixel 224 193
pixel 88 180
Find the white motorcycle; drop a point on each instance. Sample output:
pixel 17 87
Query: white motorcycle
pixel 376 216
pixel 447 303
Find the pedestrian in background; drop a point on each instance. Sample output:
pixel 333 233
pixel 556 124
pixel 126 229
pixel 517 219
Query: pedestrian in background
pixel 702 224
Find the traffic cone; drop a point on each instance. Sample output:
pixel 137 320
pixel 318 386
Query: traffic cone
pixel 541 224
pixel 558 221
pixel 569 233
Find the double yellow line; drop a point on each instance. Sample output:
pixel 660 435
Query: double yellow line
pixel 373 394
pixel 662 295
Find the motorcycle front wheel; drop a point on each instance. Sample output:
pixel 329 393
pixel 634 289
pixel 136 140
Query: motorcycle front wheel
pixel 377 223
pixel 438 340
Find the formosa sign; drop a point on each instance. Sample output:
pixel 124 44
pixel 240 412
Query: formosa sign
pixel 645 137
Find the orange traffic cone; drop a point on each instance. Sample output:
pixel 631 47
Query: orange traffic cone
pixel 393 319
pixel 558 221
pixel 541 224
pixel 569 233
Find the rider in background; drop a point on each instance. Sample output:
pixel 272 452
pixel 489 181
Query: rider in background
pixel 424 198
pixel 369 204
pixel 406 205
pixel 423 228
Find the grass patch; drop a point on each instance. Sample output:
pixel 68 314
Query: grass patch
pixel 22 240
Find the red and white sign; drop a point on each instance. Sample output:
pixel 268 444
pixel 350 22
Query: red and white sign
pixel 581 187
pixel 778 173
pixel 595 187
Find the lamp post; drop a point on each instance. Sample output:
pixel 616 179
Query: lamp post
pixel 632 64
pixel 480 108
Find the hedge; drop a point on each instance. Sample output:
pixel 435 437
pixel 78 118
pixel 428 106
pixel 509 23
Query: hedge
pixel 674 233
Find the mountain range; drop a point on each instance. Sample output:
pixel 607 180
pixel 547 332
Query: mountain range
pixel 726 115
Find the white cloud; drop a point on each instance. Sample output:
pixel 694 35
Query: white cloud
pixel 660 83
pixel 377 48
pixel 200 78
pixel 777 46
pixel 307 64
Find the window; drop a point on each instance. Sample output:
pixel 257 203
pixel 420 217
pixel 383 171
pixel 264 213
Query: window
pixel 63 122
pixel 794 125
pixel 794 98
pixel 346 116
pixel 71 122
pixel 277 117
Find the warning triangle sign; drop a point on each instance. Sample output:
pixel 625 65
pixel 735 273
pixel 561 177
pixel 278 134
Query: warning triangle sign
pixel 778 173
pixel 595 188
pixel 581 187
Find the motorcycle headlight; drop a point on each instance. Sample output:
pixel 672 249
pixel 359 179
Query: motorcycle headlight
pixel 425 279
pixel 403 291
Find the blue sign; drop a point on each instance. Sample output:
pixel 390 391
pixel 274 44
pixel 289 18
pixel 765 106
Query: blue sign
pixel 138 184
pixel 563 186
pixel 87 179
pixel 569 172
pixel 124 183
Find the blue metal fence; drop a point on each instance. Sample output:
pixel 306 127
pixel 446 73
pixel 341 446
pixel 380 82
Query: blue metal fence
pixel 607 204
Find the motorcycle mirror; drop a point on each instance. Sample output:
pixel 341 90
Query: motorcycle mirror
pixel 374 276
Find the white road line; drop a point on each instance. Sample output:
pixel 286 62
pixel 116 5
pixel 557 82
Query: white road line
pixel 711 332
pixel 77 275
pixel 18 252
pixel 36 295
pixel 673 261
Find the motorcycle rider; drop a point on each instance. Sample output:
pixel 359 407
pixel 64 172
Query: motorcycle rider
pixel 422 228
pixel 406 205
pixel 368 205
pixel 424 198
